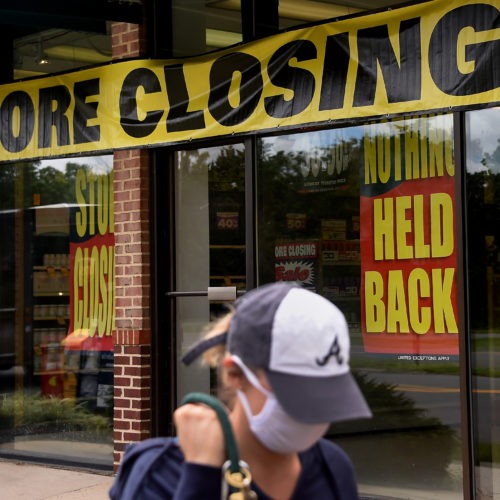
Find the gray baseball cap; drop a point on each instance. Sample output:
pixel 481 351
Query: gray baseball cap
pixel 301 341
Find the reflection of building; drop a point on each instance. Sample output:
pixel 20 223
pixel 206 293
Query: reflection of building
pixel 379 192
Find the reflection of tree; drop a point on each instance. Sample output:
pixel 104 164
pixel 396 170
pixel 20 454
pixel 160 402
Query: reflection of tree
pixel 227 170
pixel 226 174
pixel 492 161
pixel 483 217
pixel 55 186
pixel 51 184
pixel 192 162
pixel 474 154
pixel 284 180
pixel 277 188
pixel 7 177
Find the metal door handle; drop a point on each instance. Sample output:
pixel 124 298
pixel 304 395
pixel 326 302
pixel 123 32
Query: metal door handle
pixel 213 293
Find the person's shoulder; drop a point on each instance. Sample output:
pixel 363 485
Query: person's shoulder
pixel 341 469
pixel 153 465
pixel 162 449
pixel 333 451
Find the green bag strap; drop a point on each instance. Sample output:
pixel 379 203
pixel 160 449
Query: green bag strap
pixel 236 473
pixel 227 430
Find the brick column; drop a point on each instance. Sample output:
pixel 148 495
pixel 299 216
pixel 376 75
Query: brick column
pixel 128 40
pixel 132 337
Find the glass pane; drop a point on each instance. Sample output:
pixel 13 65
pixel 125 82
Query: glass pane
pixel 57 50
pixel 201 26
pixel 365 216
pixel 57 310
pixel 296 12
pixel 210 243
pixel 483 239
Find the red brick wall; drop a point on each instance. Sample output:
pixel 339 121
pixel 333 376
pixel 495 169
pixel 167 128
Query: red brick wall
pixel 132 338
pixel 128 40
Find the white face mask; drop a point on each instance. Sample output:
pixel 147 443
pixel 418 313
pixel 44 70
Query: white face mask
pixel 272 426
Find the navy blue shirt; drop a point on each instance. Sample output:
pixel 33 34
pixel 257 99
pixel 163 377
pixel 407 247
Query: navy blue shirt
pixel 326 474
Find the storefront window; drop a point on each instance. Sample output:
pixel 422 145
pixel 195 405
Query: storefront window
pixel 483 237
pixel 57 310
pixel 366 217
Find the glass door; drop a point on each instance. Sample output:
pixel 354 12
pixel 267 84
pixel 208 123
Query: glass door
pixel 483 239
pixel 210 268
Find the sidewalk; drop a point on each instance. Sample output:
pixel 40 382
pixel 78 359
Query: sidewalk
pixel 20 480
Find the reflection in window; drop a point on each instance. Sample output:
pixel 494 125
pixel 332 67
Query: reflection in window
pixel 483 263
pixel 56 50
pixel 200 27
pixel 57 310
pixel 353 214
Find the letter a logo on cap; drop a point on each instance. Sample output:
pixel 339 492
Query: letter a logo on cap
pixel 333 351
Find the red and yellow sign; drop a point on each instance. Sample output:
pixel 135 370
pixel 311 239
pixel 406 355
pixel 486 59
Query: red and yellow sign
pixel 408 247
pixel 297 261
pixel 92 269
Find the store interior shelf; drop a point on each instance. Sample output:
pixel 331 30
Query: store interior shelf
pixel 355 263
pixel 334 297
pixel 51 268
pixel 52 318
pixel 51 294
pixel 49 372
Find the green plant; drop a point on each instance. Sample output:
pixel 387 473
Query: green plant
pixel 24 410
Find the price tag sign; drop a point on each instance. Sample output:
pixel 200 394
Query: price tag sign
pixel 228 221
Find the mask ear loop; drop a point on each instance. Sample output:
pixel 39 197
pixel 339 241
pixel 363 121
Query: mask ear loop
pixel 251 377
pixel 246 406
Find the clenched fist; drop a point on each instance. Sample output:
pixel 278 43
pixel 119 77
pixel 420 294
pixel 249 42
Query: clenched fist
pixel 200 435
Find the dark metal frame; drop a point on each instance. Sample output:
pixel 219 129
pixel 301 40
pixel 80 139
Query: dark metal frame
pixel 163 341
pixel 462 289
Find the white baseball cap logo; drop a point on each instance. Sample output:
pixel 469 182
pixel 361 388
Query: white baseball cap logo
pixel 333 351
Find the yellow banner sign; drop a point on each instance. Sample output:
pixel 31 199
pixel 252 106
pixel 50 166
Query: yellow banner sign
pixel 432 56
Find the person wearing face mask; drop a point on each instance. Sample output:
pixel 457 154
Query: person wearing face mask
pixel 282 356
